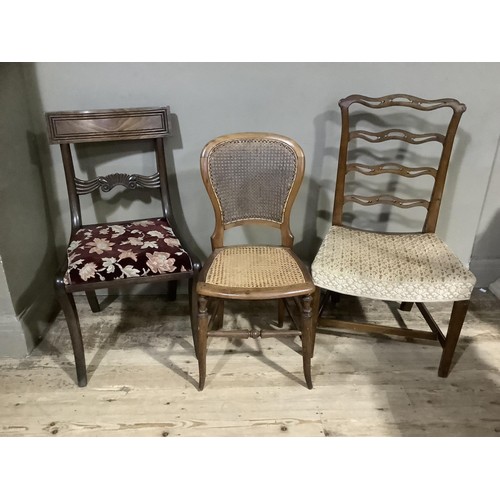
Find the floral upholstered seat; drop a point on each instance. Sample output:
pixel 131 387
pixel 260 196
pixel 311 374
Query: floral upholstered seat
pixel 107 252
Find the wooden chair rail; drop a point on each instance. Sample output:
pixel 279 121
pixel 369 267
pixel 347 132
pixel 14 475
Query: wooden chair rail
pixel 404 100
pixel 395 134
pixel 390 168
pixel 254 334
pixel 386 200
pixel 66 127
pixel 373 328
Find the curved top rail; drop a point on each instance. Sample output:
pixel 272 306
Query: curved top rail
pixel 405 100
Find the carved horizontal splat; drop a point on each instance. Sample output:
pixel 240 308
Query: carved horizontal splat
pixel 390 168
pixel 405 100
pixel 108 125
pixel 386 199
pixel 108 182
pixel 395 134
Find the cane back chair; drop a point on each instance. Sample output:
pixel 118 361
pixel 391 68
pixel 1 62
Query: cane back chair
pixel 125 253
pixel 409 267
pixel 253 178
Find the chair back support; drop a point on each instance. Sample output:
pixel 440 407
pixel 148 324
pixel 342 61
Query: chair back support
pixel 252 178
pixel 134 124
pixel 438 173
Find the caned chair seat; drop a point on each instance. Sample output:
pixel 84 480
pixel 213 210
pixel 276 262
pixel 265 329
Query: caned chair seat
pixel 106 252
pixel 398 267
pixel 251 267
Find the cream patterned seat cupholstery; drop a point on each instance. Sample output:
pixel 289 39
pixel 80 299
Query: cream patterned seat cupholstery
pixel 412 267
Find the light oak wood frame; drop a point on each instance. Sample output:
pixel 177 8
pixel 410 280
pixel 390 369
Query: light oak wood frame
pixel 448 342
pixel 212 297
pixel 67 128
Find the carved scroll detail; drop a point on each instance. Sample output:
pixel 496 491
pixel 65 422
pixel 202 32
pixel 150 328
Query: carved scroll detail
pixel 108 182
pixel 386 200
pixel 395 134
pixel 390 168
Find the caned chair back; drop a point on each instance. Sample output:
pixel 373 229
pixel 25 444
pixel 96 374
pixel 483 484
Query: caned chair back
pixel 252 178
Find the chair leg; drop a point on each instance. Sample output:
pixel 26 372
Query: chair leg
pixel 93 302
pixel 219 315
pixel 406 306
pixel 454 328
pixel 172 290
pixel 307 327
pixel 315 317
pixel 71 314
pixel 325 298
pixel 193 312
pixel 201 342
pixel 281 312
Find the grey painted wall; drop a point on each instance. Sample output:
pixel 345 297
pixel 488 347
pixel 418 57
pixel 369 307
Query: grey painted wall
pixel 295 99
pixel 27 252
pixel 209 99
pixel 485 263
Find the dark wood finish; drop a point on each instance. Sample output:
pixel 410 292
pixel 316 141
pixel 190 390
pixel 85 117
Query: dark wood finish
pixel 135 124
pixel 107 182
pixel 210 321
pixel 406 306
pixel 69 127
pixel 201 341
pixel 457 318
pixel 281 312
pixel 372 328
pixel 307 338
pixel 449 341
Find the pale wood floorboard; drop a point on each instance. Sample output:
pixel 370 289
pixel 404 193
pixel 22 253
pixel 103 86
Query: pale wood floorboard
pixel 143 378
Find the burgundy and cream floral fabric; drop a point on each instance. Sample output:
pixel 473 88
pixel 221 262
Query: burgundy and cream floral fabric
pixel 108 252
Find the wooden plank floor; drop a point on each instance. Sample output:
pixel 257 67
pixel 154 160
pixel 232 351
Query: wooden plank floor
pixel 143 378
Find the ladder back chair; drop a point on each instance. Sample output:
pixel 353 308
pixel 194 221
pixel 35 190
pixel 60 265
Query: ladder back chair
pixel 117 254
pixel 253 178
pixel 405 267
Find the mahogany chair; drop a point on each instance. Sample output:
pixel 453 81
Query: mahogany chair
pixel 117 254
pixel 412 267
pixel 253 178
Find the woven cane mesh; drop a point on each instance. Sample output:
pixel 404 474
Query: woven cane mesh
pixel 252 178
pixel 254 267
